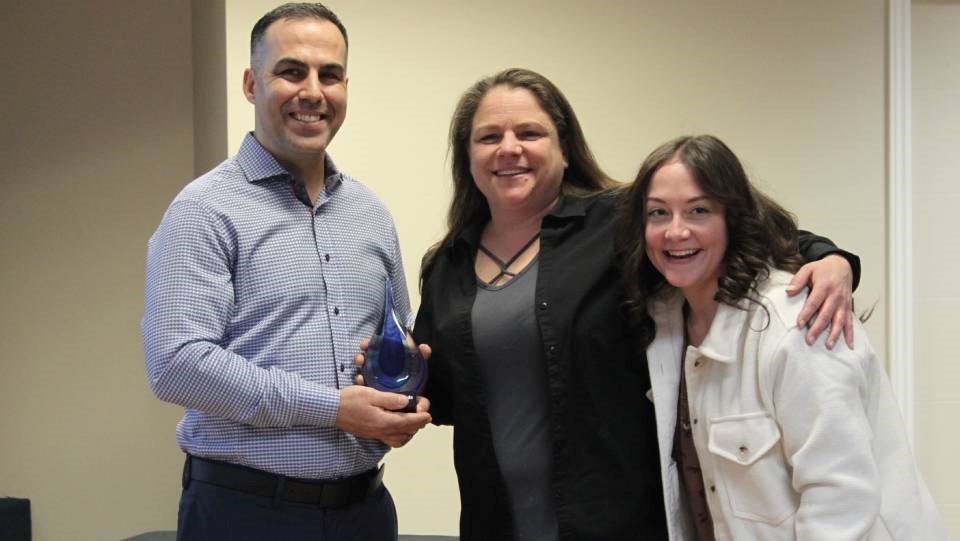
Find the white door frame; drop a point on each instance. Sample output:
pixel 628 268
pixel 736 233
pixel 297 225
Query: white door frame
pixel 900 207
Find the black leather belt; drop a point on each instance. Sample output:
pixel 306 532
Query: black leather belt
pixel 338 493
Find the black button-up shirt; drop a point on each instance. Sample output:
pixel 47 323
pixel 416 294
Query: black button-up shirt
pixel 606 477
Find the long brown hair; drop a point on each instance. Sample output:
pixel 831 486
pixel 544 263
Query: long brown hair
pixel 760 233
pixel 468 207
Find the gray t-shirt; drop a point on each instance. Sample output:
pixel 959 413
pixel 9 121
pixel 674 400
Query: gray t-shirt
pixel 513 367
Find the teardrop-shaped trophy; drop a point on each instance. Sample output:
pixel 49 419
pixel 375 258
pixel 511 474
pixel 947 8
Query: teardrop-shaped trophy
pixel 392 361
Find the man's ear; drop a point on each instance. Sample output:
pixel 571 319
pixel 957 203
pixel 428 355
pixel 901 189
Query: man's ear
pixel 249 83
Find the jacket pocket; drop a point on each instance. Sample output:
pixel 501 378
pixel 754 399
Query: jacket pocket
pixel 751 465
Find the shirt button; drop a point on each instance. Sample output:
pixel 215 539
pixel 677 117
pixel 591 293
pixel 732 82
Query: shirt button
pixel 713 488
pixel 697 364
pixel 326 257
pixel 336 311
pixel 544 305
pixel 341 367
pixel 694 421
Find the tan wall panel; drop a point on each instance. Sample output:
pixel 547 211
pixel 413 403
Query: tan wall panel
pixel 936 132
pixel 97 139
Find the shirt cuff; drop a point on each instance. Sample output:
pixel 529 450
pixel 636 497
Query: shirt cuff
pixel 317 406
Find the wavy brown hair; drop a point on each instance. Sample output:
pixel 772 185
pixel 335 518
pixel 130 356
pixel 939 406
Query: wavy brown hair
pixel 760 233
pixel 468 207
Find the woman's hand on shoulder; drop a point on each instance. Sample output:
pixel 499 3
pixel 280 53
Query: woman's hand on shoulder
pixel 830 302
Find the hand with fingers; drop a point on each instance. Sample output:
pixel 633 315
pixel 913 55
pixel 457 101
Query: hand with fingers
pixel 369 413
pixel 830 302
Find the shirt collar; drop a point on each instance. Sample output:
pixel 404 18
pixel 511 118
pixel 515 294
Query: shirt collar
pixel 258 165
pixel 566 208
pixel 722 339
pixel 721 342
pixel 569 207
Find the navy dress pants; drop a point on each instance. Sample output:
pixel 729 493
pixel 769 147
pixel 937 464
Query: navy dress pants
pixel 212 513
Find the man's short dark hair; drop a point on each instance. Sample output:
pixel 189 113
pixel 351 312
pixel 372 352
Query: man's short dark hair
pixel 294 10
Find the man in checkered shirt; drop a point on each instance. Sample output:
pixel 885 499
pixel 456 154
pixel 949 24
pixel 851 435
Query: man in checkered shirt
pixel 262 278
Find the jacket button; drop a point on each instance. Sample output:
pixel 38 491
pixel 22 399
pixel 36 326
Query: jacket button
pixel 697 364
pixel 336 311
pixel 544 305
pixel 713 488
pixel 552 349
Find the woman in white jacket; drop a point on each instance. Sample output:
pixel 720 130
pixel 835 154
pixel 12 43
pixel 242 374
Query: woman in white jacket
pixel 761 435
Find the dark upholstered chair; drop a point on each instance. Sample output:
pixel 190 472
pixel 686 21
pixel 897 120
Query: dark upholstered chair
pixel 15 519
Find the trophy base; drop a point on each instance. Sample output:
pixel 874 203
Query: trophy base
pixel 411 406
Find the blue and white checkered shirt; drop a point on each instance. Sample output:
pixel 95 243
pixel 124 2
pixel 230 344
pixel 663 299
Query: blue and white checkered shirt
pixel 255 306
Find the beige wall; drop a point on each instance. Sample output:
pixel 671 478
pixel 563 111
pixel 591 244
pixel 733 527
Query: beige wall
pixel 97 138
pixel 209 85
pixel 936 133
pixel 100 136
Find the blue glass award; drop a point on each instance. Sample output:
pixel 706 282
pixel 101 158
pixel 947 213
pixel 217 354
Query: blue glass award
pixel 392 361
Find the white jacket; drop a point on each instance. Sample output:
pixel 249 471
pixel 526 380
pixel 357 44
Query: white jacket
pixel 795 441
